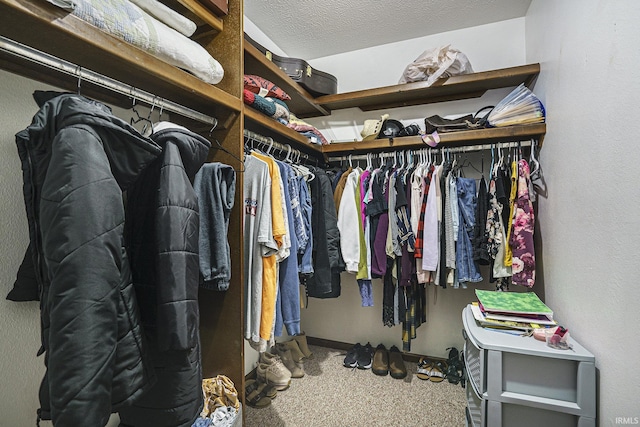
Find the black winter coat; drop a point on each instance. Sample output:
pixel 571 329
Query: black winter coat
pixel 77 158
pixel 162 232
pixel 327 259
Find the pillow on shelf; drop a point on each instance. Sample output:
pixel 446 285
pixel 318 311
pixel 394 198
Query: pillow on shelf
pixel 264 87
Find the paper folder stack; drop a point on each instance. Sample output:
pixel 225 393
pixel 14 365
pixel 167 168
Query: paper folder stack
pixel 520 107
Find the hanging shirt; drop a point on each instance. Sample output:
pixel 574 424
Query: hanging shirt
pixel 258 240
pixel 419 245
pixel 269 263
pixel 215 186
pixel 348 223
pixel 431 245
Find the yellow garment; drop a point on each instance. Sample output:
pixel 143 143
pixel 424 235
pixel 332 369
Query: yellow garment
pixel 508 254
pixel 269 264
pixel 337 193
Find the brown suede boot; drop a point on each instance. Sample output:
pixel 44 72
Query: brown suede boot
pixel 302 343
pixel 285 355
pixel 296 353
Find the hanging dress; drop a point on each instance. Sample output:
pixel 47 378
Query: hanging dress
pixel 524 258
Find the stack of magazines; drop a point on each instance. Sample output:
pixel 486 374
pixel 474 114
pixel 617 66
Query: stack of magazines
pixel 520 107
pixel 522 311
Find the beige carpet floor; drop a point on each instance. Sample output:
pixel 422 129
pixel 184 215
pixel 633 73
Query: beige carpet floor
pixel 334 396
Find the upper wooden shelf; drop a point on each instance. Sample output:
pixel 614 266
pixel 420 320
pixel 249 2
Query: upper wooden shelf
pixel 302 104
pixel 52 30
pixel 451 139
pixel 450 89
pixel 195 11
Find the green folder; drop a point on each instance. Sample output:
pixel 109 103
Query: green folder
pixel 513 302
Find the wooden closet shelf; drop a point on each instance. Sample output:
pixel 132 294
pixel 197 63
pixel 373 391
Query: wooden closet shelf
pixel 198 13
pixel 266 126
pixel 418 93
pixel 52 30
pixel 302 104
pixel 452 139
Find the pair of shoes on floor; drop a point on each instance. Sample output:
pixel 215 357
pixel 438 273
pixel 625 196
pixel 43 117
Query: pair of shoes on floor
pixel 431 370
pixel 258 394
pixel 389 362
pixel 283 350
pixel 359 356
pixel 272 371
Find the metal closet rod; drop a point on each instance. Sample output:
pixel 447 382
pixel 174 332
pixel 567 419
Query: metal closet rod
pixel 277 145
pixel 25 52
pixel 463 149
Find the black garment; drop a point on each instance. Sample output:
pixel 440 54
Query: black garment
pixel 480 239
pixel 162 234
pixel 25 288
pixel 77 158
pixel 442 261
pixel 388 292
pixel 503 192
pixel 327 260
pixel 375 208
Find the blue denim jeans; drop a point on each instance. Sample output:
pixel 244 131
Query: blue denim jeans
pixel 467 269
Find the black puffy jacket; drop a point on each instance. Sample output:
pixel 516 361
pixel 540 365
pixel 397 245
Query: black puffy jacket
pixel 77 158
pixel 162 232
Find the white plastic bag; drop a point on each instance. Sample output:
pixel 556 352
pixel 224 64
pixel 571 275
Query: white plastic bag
pixel 436 63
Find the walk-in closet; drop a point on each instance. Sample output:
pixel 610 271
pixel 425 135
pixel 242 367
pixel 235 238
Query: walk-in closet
pixel 190 227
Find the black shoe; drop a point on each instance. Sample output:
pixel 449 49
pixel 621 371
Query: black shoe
pixel 364 357
pixel 351 359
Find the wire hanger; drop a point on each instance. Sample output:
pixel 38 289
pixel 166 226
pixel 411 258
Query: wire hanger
pixel 215 123
pixel 138 118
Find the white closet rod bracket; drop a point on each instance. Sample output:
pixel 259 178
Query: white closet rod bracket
pixel 41 58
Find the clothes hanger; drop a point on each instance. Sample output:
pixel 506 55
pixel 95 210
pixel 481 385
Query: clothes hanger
pixel 220 147
pixel 138 118
pixel 532 157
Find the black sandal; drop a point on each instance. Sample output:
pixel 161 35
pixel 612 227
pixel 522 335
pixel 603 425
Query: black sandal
pixel 257 397
pixel 454 370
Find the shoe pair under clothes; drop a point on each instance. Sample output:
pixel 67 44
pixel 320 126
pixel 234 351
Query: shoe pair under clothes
pixel 380 361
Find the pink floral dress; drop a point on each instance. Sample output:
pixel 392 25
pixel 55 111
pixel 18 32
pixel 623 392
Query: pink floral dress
pixel 521 240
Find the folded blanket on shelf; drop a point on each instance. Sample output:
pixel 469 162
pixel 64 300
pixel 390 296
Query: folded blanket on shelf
pixel 272 107
pixel 167 16
pixel 303 127
pixel 126 21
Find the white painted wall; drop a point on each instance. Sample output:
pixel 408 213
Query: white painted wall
pixel 590 84
pixel 20 370
pixel 488 47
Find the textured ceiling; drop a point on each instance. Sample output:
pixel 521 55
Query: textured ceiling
pixel 311 29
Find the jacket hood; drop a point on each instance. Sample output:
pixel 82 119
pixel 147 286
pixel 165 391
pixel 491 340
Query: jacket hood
pixel 128 151
pixel 193 148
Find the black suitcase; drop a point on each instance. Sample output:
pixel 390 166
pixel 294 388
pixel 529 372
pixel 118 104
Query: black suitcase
pixel 316 82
